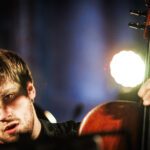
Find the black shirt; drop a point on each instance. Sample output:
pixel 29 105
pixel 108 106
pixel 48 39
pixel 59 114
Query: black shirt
pixel 56 136
pixel 69 128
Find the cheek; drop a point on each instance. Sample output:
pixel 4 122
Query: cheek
pixel 22 107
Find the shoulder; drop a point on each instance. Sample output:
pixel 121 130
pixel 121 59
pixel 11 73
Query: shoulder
pixel 68 128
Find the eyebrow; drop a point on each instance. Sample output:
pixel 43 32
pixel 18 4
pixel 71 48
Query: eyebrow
pixel 8 90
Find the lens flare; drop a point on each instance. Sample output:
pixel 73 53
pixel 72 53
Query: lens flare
pixel 127 68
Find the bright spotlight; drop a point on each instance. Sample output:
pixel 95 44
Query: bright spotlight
pixel 127 68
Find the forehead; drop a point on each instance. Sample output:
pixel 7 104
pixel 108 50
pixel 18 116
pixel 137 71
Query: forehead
pixel 8 85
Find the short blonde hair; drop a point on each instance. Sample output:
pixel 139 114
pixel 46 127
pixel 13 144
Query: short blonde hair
pixel 13 67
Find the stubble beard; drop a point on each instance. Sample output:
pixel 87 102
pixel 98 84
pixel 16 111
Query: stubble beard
pixel 23 131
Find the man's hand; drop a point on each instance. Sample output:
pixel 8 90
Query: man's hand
pixel 144 93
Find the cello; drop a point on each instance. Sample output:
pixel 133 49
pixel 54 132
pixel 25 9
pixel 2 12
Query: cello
pixel 122 124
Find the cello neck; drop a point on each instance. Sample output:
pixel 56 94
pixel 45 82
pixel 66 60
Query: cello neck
pixel 145 144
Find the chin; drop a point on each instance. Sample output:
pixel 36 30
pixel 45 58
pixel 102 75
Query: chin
pixel 12 139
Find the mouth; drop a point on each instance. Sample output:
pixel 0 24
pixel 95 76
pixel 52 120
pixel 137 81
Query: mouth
pixel 11 128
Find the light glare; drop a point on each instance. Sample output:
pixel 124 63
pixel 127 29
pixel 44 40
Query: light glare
pixel 127 68
pixel 50 117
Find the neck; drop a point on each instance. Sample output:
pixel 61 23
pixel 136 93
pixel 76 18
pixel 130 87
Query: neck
pixel 36 127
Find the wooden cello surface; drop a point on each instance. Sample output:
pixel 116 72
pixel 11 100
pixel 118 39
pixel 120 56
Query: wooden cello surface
pixel 119 124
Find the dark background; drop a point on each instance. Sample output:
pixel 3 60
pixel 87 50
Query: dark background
pixel 68 44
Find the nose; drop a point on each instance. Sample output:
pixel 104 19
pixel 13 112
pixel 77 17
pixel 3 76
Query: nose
pixel 5 113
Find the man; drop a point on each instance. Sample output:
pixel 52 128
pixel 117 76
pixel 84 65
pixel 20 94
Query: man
pixel 18 118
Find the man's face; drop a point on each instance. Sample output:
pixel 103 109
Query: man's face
pixel 16 112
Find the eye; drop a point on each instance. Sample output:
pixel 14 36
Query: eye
pixel 9 98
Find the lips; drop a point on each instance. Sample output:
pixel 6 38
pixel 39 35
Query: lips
pixel 11 128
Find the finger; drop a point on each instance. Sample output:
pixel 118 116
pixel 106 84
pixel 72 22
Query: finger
pixel 146 103
pixel 144 88
pixel 146 99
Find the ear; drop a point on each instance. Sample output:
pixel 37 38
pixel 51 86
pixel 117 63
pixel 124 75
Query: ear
pixel 31 92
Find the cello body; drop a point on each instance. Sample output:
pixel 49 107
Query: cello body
pixel 119 123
